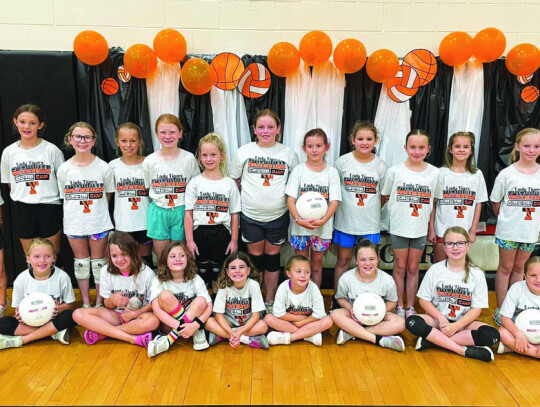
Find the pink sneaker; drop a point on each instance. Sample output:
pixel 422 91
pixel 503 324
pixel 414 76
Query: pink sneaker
pixel 400 311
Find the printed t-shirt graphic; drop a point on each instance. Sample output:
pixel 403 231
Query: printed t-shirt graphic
pixel 518 299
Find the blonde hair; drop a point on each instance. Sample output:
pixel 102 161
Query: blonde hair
pixel 224 280
pixel 364 125
pixel 530 262
pixel 39 241
pixel 273 115
pixel 514 155
pixel 82 125
pixel 468 262
pixel 214 138
pixel 136 129
pixel 297 258
pixel 470 165
pixel 168 118
pixel 164 273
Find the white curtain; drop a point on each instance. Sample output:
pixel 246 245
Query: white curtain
pixel 162 90
pixel 467 100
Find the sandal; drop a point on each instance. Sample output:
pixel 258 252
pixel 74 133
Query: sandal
pixel 92 337
pixel 144 339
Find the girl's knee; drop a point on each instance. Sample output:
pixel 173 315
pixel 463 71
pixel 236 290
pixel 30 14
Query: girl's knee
pixel 326 323
pixel 166 297
pixel 149 322
pixel 269 319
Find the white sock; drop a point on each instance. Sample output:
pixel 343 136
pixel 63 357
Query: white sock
pixel 244 339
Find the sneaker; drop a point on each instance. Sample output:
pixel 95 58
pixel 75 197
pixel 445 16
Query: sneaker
pixel 7 341
pixel 62 336
pixel 343 337
pixel 258 342
pixel 213 339
pixel 479 352
pixel 199 340
pixel 497 316
pixel 400 311
pixel 423 344
pixel 279 338
pixel 100 305
pixel 393 342
pixel 158 345
pixel 315 339
pixel 409 311
pixel 3 308
pixel 502 348
pixel 269 307
pixel 87 306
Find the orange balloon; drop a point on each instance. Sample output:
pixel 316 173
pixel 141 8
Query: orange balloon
pixel 489 44
pixel 170 46
pixel 197 76
pixel 350 55
pixel 140 60
pixel 523 59
pixel 283 59
pixel 315 48
pixel 382 65
pixel 456 48
pixel 91 47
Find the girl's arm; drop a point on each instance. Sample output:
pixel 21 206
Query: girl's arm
pixel 432 237
pixel 292 318
pixel 390 305
pixel 304 321
pixel 109 196
pixel 233 245
pixel 164 316
pixel 61 307
pixel 238 183
pixel 332 208
pixel 522 343
pixel 496 207
pixel 433 312
pixel 223 323
pixel 307 224
pixel 188 228
pixel 476 219
pixel 250 323
pixel 384 199
pixel 116 300
pixel 129 315
pixel 344 303
pixel 457 326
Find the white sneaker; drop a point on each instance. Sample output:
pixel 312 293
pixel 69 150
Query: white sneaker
pixel 393 342
pixel 3 308
pixel 199 340
pixel 158 345
pixel 279 338
pixel 502 348
pixel 343 337
pixel 315 339
pixel 7 341
pixel 497 316
pixel 62 337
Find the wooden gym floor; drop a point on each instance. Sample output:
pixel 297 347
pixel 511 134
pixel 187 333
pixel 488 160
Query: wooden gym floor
pixel 115 373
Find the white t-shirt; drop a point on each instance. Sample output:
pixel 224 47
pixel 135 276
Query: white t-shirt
pixel 411 199
pixel 130 198
pixel 359 212
pixel 264 173
pixel 518 299
pixel 1 200
pixel 457 196
pixel 302 180
pixel 168 179
pixel 128 286
pixel 308 303
pixel 448 292
pixel 32 172
pixel 212 201
pixel 185 292
pixel 238 305
pixel 349 287
pixel 519 195
pixel 58 286
pixel 84 190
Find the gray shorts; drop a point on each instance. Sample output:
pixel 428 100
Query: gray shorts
pixel 400 242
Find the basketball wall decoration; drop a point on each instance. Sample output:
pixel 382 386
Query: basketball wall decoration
pixel 123 74
pixel 254 81
pixel 109 86
pixel 424 63
pixel 228 68
pixel 530 93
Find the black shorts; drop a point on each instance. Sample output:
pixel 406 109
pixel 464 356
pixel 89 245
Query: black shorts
pixel 8 325
pixel 2 239
pixel 276 231
pixel 37 220
pixel 140 237
pixel 212 242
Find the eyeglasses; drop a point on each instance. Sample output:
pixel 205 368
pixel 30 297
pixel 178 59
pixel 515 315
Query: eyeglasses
pixel 461 244
pixel 78 138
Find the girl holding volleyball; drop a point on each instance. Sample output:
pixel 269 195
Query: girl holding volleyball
pixel 40 277
pixel 410 188
pixel 86 184
pixel 313 175
pixel 522 296
pixel 298 308
pixel 366 277
pixel 453 293
pixel 461 191
pixel 362 176
pixel 514 197
pixel 262 169
pixel 3 275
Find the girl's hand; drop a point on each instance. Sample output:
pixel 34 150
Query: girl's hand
pixel 192 248
pixel 449 329
pixel 472 235
pixel 232 247
pixel 119 300
pixel 128 315
pixel 442 322
pixel 189 329
pixel 432 236
pixel 522 343
pixel 307 223
pixel 353 317
pixel 18 316
pixel 55 312
pixel 234 342
pixel 318 222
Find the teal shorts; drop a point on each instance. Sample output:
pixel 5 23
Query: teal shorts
pixel 510 245
pixel 166 223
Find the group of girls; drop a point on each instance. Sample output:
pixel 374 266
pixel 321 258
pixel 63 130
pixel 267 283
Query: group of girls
pixel 164 198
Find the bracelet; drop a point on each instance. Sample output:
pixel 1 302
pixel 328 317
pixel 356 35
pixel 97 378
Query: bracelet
pixel 297 219
pixel 199 322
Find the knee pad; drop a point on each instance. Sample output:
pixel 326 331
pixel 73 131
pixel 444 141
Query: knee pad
pixel 258 261
pixel 203 268
pixel 417 326
pixel 64 320
pixel 271 262
pixel 97 265
pixel 214 269
pixel 82 268
pixel 485 336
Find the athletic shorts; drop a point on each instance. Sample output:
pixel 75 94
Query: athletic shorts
pixel 166 223
pixel 399 242
pixel 438 240
pixel 97 236
pixel 275 231
pixel 2 240
pixel 140 237
pixel 304 242
pixel 345 240
pixel 510 245
pixel 37 220
pixel 212 242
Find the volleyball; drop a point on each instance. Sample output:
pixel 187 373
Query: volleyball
pixel 524 79
pixel 254 81
pixel 134 304
pixel 109 86
pixel 37 309
pixel 228 68
pixel 528 322
pixel 123 75
pixel 369 308
pixel 311 205
pixel 404 85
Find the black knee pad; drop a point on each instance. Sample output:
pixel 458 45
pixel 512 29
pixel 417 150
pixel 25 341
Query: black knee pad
pixel 485 336
pixel 8 325
pixel 214 270
pixel 271 262
pixel 64 320
pixel 258 262
pixel 417 326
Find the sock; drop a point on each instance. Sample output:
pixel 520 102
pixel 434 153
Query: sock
pixel 378 339
pixel 244 340
pixel 180 315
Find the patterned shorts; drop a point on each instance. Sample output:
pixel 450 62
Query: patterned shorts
pixel 510 245
pixel 303 242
